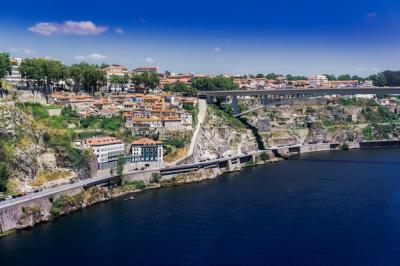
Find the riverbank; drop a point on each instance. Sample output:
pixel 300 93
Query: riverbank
pixel 281 213
pixel 66 203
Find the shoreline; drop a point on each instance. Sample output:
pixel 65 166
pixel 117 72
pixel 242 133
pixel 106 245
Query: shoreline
pixel 103 194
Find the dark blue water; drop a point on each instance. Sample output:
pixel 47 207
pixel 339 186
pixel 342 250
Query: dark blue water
pixel 338 208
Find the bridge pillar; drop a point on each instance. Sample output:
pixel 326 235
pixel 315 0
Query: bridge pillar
pixel 210 99
pixel 234 105
pixel 264 99
pixel 253 159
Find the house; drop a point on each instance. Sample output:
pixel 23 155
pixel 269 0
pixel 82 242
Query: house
pixel 147 152
pixel 106 149
pixel 318 81
pixel 172 123
pixel 15 78
pixel 80 102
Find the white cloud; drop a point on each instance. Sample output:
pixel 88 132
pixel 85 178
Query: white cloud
pixel 12 49
pixel 119 30
pixel 91 57
pixel 28 51
pixel 149 60
pixel 217 49
pixel 68 27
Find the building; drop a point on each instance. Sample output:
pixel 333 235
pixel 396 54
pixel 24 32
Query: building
pixel 116 70
pixel 367 84
pixel 318 81
pixel 145 69
pixel 343 83
pixel 15 78
pixel 147 152
pixel 106 149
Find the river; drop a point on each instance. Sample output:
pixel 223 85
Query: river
pixel 330 208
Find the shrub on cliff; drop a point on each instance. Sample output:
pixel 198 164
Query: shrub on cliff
pixel 4 175
pixel 65 203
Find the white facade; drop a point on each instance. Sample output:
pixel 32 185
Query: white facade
pixel 15 78
pixel 106 149
pixel 318 81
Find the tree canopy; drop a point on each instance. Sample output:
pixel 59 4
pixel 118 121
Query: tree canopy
pixel 214 84
pixel 146 79
pixel 181 88
pixel 5 66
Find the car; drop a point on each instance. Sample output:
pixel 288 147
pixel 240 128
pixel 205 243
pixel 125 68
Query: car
pixel 8 198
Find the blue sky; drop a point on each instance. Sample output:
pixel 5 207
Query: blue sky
pixel 211 37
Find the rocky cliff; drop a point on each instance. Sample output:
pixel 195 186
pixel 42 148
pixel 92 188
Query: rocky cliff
pixel 222 135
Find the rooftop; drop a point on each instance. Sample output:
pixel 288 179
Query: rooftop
pixel 146 141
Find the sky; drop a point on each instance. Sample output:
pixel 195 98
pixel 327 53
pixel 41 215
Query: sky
pixel 306 37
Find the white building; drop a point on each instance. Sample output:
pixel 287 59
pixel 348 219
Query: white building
pixel 106 149
pixel 318 81
pixel 15 78
pixel 367 84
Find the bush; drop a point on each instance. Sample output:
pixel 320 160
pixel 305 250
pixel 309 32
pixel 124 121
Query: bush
pixel 113 123
pixel 264 156
pixel 4 175
pixel 76 158
pixel 367 132
pixel 345 147
pixel 37 110
pixel 177 143
pixel 155 178
pixel 46 137
pixel 136 184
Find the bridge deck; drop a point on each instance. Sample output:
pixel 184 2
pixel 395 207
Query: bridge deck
pixel 305 91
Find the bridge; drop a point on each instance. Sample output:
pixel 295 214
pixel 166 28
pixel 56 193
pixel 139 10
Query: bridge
pixel 269 97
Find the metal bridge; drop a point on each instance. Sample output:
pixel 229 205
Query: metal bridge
pixel 271 97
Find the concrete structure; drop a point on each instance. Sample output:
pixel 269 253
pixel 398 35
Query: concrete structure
pixel 148 152
pixel 106 149
pixel 15 78
pixel 318 81
pixel 116 70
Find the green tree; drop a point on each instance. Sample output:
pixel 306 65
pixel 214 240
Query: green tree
pixel 344 77
pixel 146 80
pixel 46 73
pixel 330 77
pixel 378 80
pixel 214 84
pixel 4 175
pixel 5 66
pixel 120 165
pixel 272 76
pixel 87 77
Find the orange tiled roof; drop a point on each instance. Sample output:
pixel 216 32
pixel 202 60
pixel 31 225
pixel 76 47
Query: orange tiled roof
pixel 145 141
pixel 100 141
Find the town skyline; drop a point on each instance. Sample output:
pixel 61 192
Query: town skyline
pixel 218 38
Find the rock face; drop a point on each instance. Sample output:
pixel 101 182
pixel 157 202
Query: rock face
pixel 218 137
pixel 322 121
pixel 22 149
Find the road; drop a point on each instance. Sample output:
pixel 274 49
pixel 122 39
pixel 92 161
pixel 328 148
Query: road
pixel 95 180
pixel 200 120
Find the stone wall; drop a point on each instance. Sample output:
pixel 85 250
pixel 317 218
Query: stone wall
pixel 28 213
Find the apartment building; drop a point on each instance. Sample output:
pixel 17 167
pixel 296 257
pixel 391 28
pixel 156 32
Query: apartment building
pixel 147 152
pixel 318 81
pixel 106 149
pixel 15 78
